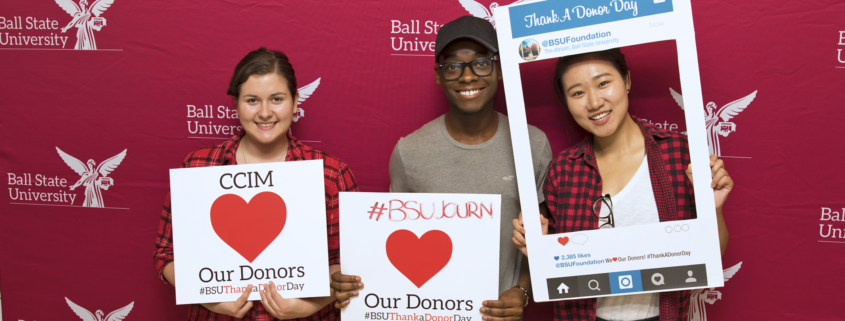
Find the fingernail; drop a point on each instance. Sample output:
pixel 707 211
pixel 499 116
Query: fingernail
pixel 360 285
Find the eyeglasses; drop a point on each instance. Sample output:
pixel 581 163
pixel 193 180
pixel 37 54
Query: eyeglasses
pixel 481 67
pixel 607 202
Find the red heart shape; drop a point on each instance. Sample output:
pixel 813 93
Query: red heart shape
pixel 614 259
pixel 419 259
pixel 563 240
pixel 248 228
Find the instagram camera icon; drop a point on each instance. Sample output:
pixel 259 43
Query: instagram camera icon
pixel 626 282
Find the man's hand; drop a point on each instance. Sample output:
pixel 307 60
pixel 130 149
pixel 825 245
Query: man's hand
pixel 519 232
pixel 507 308
pixel 722 183
pixel 237 309
pixel 345 287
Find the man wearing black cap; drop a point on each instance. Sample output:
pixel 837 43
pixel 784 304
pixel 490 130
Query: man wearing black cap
pixel 468 150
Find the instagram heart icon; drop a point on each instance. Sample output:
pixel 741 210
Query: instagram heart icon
pixel 563 240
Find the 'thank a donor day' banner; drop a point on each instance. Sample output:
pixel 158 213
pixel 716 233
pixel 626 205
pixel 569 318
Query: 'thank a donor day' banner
pixel 420 256
pixel 249 224
pixel 666 256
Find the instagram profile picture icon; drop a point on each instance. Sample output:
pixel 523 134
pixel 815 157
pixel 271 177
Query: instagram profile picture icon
pixel 529 49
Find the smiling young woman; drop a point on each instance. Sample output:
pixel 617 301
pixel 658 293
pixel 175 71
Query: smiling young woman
pixel 644 170
pixel 263 88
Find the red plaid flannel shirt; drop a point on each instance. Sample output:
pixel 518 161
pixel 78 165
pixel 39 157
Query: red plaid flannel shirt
pixel 573 184
pixel 337 177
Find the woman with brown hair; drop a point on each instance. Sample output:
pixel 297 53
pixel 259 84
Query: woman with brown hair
pixel 263 88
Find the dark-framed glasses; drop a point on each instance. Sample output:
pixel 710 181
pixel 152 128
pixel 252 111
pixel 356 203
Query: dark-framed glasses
pixel 604 201
pixel 481 67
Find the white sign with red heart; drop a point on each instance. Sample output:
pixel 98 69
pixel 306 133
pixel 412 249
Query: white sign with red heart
pixel 237 225
pixel 420 256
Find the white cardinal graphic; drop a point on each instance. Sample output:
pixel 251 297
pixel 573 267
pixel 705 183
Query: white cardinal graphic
pixel 304 93
pixel 83 21
pixel 700 296
pixel 116 315
pixel 479 10
pixel 90 176
pixel 712 116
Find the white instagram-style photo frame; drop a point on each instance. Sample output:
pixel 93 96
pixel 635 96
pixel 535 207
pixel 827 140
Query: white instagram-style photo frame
pixel 681 254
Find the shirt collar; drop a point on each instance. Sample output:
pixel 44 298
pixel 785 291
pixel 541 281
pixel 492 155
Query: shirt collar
pixel 230 147
pixel 294 149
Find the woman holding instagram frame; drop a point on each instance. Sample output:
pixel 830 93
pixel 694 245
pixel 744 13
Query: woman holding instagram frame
pixel 625 172
pixel 263 88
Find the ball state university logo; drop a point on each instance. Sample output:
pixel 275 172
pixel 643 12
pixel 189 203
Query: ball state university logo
pixel 479 10
pixel 93 178
pixel 700 296
pixel 84 22
pixel 85 315
pixel 713 115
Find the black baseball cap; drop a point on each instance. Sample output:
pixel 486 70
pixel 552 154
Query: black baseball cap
pixel 466 27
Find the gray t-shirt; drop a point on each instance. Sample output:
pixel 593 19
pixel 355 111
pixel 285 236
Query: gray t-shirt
pixel 429 160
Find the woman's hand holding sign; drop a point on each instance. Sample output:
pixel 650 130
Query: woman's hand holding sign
pixel 237 309
pixel 722 182
pixel 285 309
pixel 280 307
pixel 722 185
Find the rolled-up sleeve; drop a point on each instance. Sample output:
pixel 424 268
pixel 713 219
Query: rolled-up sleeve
pixel 163 254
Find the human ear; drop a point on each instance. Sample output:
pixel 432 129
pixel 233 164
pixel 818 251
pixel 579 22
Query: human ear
pixel 437 75
pixel 628 80
pixel 295 102
pixel 499 70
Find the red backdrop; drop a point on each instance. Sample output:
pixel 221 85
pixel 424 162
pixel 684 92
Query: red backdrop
pixel 155 58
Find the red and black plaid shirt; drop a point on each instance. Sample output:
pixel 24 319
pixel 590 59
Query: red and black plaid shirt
pixel 573 184
pixel 337 178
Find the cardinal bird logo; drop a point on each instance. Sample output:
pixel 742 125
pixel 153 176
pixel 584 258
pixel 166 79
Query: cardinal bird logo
pixel 93 178
pixel 85 315
pixel 713 114
pixel 84 22
pixel 479 10
pixel 700 296
pixel 304 93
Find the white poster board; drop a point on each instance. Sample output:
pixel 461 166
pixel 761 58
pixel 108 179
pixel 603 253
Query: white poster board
pixel 667 256
pixel 420 256
pixel 249 224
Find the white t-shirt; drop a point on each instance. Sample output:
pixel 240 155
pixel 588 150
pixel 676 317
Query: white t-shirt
pixel 633 205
